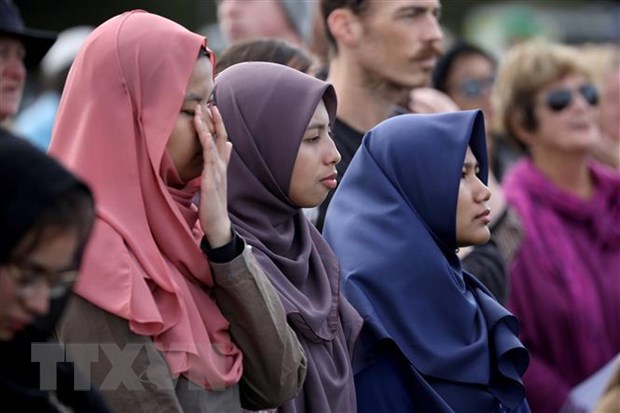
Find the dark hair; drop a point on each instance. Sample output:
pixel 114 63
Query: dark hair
pixel 72 210
pixel 265 50
pixel 446 63
pixel 358 7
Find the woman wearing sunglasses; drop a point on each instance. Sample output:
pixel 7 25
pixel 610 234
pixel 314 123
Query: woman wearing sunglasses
pixel 45 219
pixel 466 73
pixel 565 280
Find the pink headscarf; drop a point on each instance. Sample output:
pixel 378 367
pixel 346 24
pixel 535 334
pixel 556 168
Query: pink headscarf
pixel 143 263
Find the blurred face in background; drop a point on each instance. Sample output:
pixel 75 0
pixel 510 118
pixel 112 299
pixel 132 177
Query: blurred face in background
pixel 34 276
pixel 566 113
pixel 470 82
pixel 12 76
pixel 399 41
pixel 250 19
pixel 610 105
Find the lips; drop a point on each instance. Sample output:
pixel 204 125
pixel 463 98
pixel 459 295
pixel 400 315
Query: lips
pixel 484 215
pixel 330 181
pixel 582 125
pixel 11 93
pixel 236 31
pixel 17 325
pixel 12 88
pixel 428 63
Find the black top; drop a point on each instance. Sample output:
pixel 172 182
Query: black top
pixel 347 140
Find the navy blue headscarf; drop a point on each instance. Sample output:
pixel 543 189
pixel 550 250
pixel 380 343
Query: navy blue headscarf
pixel 392 224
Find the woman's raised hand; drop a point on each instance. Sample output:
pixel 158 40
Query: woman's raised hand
pixel 213 209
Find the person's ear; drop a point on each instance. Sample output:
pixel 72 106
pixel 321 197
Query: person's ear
pixel 524 131
pixel 345 26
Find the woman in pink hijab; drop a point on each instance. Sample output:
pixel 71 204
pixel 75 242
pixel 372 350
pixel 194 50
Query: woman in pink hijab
pixel 171 313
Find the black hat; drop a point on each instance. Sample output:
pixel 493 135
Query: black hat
pixel 36 42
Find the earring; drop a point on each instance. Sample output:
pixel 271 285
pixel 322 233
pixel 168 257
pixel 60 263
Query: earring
pixel 456 251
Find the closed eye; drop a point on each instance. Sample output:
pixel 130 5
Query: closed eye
pixel 414 12
pixel 467 171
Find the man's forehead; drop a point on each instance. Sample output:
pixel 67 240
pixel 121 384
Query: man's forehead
pixel 398 4
pixel 6 39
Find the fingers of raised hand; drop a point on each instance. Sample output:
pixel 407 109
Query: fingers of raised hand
pixel 204 134
pixel 220 130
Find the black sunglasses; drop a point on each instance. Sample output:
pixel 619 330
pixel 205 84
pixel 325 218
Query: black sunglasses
pixel 559 99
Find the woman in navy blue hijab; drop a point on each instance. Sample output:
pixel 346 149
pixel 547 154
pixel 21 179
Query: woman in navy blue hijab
pixel 434 339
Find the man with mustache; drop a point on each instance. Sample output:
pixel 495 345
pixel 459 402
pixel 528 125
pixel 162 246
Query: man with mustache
pixel 379 51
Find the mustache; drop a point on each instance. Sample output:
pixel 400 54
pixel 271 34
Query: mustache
pixel 433 49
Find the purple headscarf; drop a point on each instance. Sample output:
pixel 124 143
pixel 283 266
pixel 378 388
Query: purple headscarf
pixel 266 108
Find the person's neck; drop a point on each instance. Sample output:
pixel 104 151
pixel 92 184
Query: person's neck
pixel 567 170
pixel 362 102
pixel 607 151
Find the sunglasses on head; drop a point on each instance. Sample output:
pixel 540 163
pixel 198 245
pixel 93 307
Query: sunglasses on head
pixel 559 99
pixel 474 88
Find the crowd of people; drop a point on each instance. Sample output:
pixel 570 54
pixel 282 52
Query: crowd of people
pixel 338 210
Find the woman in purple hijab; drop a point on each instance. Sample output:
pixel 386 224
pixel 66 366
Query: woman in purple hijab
pixel 283 160
pixel 434 338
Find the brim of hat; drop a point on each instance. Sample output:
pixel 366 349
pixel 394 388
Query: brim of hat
pixel 36 43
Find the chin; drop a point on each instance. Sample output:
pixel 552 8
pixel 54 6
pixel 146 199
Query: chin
pixel 311 199
pixel 6 113
pixel 480 238
pixel 483 239
pixel 312 203
pixel 6 335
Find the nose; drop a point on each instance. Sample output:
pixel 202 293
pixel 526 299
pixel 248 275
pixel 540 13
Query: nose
pixel 581 102
pixel 333 156
pixel 483 193
pixel 433 31
pixel 14 67
pixel 38 302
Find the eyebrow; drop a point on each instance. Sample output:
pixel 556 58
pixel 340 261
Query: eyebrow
pixel 34 266
pixel 316 125
pixel 436 10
